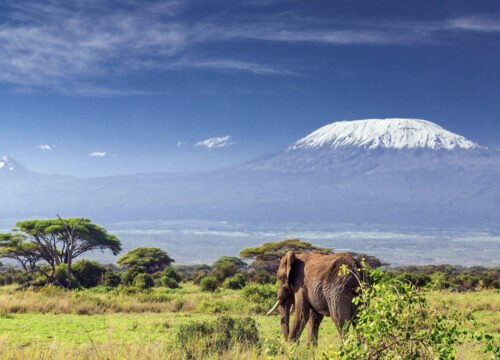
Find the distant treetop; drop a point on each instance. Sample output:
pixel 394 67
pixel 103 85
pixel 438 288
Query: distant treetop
pixel 147 259
pixel 275 250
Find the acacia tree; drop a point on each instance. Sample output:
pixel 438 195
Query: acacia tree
pixel 54 242
pixel 146 259
pixel 268 255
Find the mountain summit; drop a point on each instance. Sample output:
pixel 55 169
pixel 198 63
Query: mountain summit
pixel 7 163
pixel 384 133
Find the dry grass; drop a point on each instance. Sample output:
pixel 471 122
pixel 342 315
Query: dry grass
pixel 47 324
pixel 86 302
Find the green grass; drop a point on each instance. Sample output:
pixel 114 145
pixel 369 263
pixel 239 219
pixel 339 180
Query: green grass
pixel 55 324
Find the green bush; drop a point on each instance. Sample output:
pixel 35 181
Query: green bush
pixel 235 282
pixel 144 281
pixel 209 283
pixel 129 275
pixel 65 278
pixel 200 338
pixel 169 282
pixel 172 274
pixel 111 279
pixel 394 318
pixel 88 273
pixel 262 297
pixel 416 279
pixel 15 276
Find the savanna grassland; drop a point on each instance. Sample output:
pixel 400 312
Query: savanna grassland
pixel 105 323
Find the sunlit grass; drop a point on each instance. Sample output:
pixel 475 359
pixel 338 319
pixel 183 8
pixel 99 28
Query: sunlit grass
pixel 56 324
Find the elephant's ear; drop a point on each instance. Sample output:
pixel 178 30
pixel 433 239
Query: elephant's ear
pixel 290 259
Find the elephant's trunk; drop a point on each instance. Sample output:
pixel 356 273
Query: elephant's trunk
pixel 285 319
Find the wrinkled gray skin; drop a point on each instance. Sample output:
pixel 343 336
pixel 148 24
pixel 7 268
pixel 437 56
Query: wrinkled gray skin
pixel 311 282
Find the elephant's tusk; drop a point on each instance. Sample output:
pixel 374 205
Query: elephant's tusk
pixel 291 308
pixel 274 308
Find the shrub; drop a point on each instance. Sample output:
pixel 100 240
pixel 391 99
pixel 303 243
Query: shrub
pixel 394 318
pixel 262 297
pixel 261 277
pixel 235 282
pixel 208 337
pixel 129 275
pixel 225 270
pixel 171 273
pixel 111 279
pixel 209 283
pixel 64 278
pixel 416 279
pixel 88 273
pixel 144 281
pixel 169 282
pixel 15 276
pixel 199 276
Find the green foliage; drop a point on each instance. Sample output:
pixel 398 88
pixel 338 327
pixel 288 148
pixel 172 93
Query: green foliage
pixel 229 260
pixel 111 279
pixel 144 281
pixel 129 275
pixel 209 283
pixel 171 273
pixel 53 242
pixel 169 282
pixel 235 282
pixel 261 296
pixel 262 276
pixel 15 276
pixel 65 278
pixel 88 273
pixel 274 250
pixel 148 260
pixel 199 338
pixel 456 278
pixel 394 320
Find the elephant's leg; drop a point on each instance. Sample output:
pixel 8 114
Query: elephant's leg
pixel 302 312
pixel 314 323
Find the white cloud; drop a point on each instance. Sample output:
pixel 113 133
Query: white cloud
pixel 45 147
pixel 479 23
pixel 98 154
pixel 180 143
pixel 70 46
pixel 216 142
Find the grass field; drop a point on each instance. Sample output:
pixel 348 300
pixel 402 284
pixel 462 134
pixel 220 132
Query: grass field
pixel 57 324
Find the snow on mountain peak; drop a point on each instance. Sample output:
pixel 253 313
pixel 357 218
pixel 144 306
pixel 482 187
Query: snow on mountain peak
pixel 7 163
pixel 384 133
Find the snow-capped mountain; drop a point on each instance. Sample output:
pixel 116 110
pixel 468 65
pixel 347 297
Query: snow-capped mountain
pixel 384 133
pixel 391 171
pixel 7 163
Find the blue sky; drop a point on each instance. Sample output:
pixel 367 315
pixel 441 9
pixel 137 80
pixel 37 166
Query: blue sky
pixel 96 88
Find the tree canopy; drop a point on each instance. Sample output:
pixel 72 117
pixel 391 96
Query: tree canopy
pixel 54 242
pixel 147 259
pixel 275 250
pixel 229 260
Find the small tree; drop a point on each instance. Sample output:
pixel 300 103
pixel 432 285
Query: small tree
pixel 209 283
pixel 276 250
pixel 144 281
pixel 267 256
pixel 88 273
pixel 54 242
pixel 149 260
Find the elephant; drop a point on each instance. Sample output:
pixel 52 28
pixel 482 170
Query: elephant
pixel 312 283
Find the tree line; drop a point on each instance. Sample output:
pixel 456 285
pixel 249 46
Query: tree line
pixel 47 252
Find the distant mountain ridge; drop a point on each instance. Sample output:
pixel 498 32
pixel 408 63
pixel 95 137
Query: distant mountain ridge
pixel 403 172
